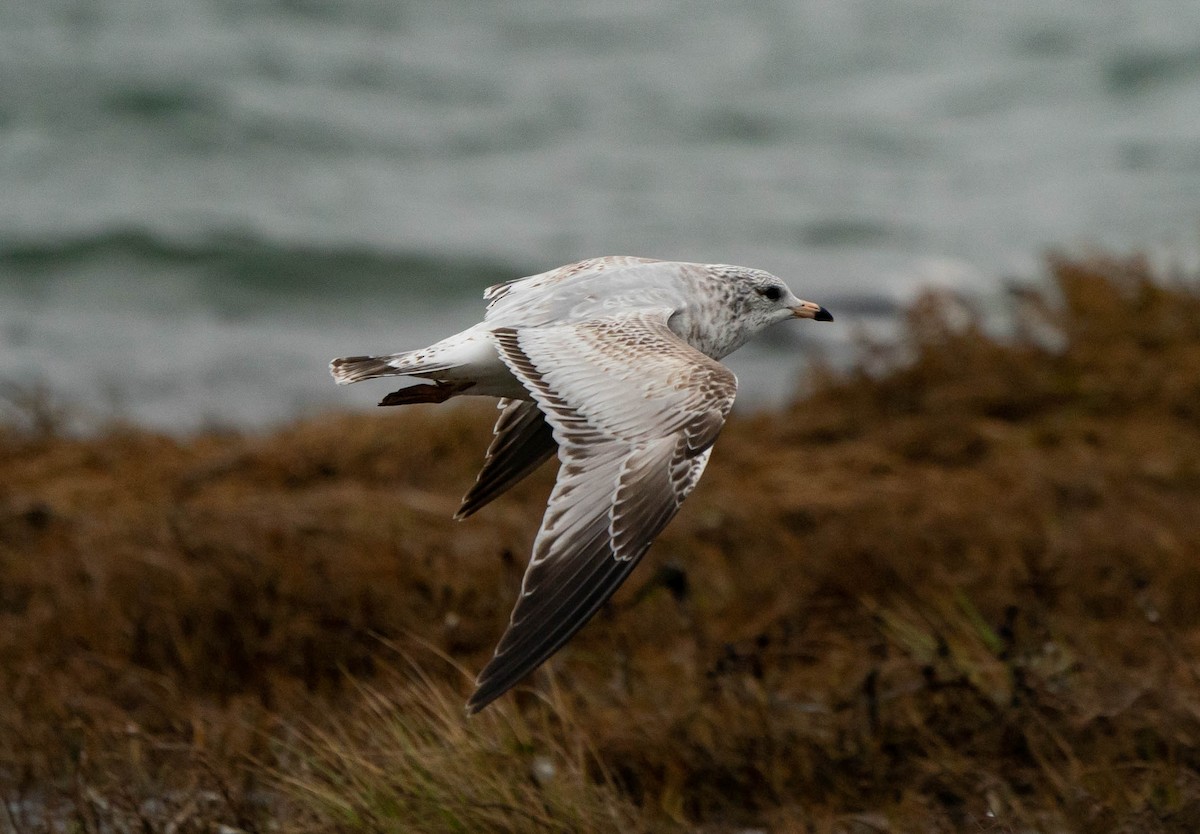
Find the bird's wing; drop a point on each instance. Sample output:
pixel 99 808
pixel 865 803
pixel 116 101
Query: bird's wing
pixel 521 443
pixel 535 284
pixel 634 411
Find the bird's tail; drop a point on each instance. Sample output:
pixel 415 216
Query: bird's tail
pixel 357 368
pixel 350 369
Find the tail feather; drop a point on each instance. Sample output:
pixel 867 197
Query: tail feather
pixel 350 369
pixel 410 363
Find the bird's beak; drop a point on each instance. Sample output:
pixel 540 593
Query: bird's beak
pixel 808 310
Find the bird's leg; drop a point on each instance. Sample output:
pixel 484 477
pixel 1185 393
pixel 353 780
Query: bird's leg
pixel 439 392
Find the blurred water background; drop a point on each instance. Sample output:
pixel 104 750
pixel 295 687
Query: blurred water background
pixel 202 201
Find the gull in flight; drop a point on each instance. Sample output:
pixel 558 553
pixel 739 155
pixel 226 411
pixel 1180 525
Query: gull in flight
pixel 611 362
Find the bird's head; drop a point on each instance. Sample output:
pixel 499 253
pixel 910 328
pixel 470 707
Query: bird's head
pixel 768 300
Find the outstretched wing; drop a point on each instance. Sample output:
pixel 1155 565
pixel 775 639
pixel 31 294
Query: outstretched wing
pixel 522 441
pixel 635 411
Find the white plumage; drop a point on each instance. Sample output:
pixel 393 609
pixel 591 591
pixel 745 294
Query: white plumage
pixel 613 363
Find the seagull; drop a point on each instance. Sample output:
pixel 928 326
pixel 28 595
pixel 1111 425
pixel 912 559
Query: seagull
pixel 612 363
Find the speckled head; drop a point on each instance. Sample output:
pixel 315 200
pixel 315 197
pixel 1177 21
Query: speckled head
pixel 741 302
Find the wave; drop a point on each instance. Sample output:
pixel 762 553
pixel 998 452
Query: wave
pixel 255 262
pixel 1136 71
pixel 234 273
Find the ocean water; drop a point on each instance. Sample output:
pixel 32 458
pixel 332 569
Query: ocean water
pixel 203 201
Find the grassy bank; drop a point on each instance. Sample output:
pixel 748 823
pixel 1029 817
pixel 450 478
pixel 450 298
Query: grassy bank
pixel 957 589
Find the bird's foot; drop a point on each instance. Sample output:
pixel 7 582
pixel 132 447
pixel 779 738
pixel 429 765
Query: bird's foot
pixel 438 392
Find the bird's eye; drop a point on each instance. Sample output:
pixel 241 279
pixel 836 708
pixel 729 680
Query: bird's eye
pixel 771 293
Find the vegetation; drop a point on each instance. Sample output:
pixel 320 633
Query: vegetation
pixel 954 589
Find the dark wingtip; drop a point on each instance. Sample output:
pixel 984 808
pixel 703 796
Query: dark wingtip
pixel 823 315
pixel 481 698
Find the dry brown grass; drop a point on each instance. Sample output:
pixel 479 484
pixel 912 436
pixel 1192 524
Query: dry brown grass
pixel 960 593
pixel 408 759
